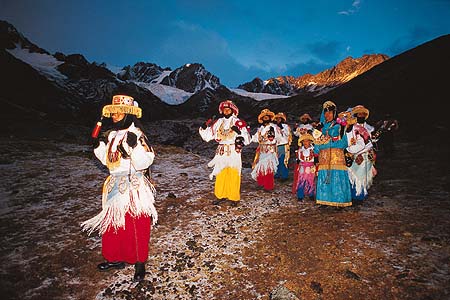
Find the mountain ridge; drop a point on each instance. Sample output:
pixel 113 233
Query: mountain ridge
pixel 319 83
pixel 68 88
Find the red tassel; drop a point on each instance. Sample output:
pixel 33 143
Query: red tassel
pixel 96 129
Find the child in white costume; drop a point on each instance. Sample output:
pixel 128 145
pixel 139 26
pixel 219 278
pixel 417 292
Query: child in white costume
pixel 231 133
pixel 304 181
pixel 305 125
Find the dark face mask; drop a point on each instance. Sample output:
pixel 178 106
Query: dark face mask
pixel 360 120
pixel 122 124
pixel 271 133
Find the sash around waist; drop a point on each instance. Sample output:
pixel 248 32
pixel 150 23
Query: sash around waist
pixel 267 148
pixel 225 149
pixel 332 159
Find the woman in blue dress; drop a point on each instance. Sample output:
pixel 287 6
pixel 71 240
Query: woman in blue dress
pixel 333 185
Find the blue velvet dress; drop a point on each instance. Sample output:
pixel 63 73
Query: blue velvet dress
pixel 333 184
pixel 282 171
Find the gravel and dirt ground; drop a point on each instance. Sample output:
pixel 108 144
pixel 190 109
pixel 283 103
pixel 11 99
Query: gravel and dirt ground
pixel 396 245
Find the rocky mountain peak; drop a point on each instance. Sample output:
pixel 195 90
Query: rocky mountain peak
pixel 256 84
pixel 191 78
pixel 10 38
pixel 76 66
pixel 360 65
pixel 141 71
pixel 280 85
pixel 344 71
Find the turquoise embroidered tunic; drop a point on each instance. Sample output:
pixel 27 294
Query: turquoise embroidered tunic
pixel 333 185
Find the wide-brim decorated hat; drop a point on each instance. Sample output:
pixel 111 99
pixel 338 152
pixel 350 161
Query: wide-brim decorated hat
pixel 305 136
pixel 360 109
pixel 122 104
pixel 305 117
pixel 345 114
pixel 280 115
pixel 265 112
pixel 345 118
pixel 230 105
pixel 329 105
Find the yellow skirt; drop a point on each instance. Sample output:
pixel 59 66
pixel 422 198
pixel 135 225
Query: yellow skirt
pixel 228 184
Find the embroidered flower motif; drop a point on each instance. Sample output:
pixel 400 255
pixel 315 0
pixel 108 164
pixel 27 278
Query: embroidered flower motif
pixel 123 184
pixel 111 183
pixel 134 182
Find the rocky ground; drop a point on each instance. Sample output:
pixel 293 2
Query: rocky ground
pixel 394 246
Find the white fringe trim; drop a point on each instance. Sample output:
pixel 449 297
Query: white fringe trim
pixel 268 162
pixel 361 176
pixel 138 200
pixel 220 162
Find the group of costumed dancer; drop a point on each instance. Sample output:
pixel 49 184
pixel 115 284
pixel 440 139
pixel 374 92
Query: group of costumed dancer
pixel 335 156
pixel 334 166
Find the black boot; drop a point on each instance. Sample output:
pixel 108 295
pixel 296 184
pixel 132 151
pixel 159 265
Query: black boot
pixel 234 203
pixel 218 201
pixel 105 266
pixel 139 272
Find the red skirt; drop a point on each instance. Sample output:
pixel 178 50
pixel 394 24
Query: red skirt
pixel 267 181
pixel 130 243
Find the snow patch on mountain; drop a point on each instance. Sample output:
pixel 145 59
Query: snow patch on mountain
pixel 163 75
pixel 167 94
pixel 43 63
pixel 257 96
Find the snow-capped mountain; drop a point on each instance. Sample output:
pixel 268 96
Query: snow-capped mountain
pixel 319 83
pixel 173 87
pixel 69 86
pixel 11 38
pixel 191 78
pixel 40 87
pixel 37 84
pixel 20 47
pixel 143 72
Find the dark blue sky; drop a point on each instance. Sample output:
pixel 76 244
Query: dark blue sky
pixel 236 40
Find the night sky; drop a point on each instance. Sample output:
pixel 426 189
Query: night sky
pixel 235 40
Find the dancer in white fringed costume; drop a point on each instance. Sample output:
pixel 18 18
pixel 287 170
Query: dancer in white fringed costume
pixel 362 170
pixel 265 163
pixel 128 210
pixel 231 134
